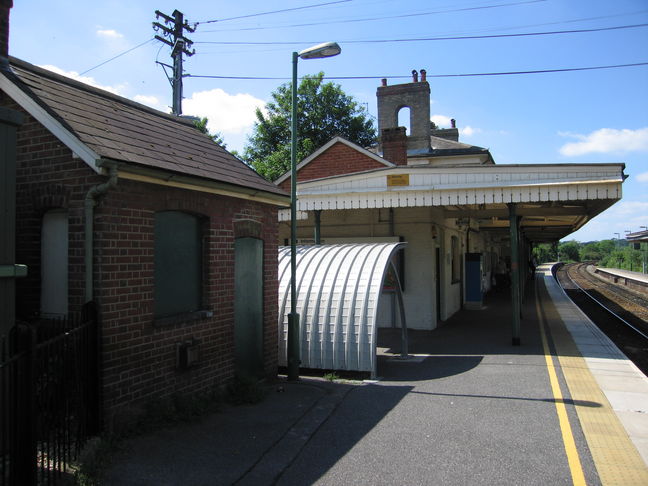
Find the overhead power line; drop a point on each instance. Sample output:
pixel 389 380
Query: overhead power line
pixel 399 16
pixel 427 39
pixel 503 73
pixel 115 57
pixel 272 12
pixel 568 21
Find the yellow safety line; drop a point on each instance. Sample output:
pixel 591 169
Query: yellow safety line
pixel 616 458
pixel 575 467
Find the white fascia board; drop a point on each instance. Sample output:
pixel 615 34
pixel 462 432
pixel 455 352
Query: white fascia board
pixel 284 215
pixel 327 146
pixel 399 199
pixel 84 152
pixel 302 191
pixel 484 177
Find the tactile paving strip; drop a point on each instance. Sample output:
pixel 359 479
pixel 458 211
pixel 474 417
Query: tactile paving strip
pixel 615 456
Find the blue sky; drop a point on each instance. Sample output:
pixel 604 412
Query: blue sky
pixel 566 117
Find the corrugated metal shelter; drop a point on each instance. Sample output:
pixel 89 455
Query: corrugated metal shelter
pixel 338 288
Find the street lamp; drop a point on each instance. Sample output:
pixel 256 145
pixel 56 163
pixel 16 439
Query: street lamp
pixel 328 49
pixel 645 252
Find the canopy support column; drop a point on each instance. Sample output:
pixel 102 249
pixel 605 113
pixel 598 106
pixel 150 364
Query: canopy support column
pixel 515 272
pixel 317 230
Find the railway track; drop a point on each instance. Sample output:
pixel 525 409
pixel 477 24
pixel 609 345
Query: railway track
pixel 621 314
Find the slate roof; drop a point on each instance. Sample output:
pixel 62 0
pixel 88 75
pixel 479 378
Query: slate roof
pixel 122 130
pixel 442 146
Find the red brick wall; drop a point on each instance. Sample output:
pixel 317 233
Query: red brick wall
pixel 139 358
pixel 394 145
pixel 337 160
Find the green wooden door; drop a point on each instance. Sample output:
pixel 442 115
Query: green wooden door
pixel 248 307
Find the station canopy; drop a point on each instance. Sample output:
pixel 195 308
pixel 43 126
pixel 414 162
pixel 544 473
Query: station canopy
pixel 552 200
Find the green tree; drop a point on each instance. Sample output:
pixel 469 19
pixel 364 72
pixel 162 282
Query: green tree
pixel 591 252
pixel 201 125
pixel 323 111
pixel 544 253
pixel 570 251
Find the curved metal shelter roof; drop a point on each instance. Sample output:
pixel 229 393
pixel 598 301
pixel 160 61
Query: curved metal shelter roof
pixel 338 288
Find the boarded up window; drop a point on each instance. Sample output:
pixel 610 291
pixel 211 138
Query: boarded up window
pixel 178 263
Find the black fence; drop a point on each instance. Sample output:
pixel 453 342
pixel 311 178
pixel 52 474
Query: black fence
pixel 49 397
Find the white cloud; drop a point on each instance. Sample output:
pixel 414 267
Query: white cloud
pixel 109 34
pixel 606 140
pixel 468 131
pixel 441 121
pixel 227 114
pixel 622 216
pixel 85 79
pixel 151 101
pixel 643 177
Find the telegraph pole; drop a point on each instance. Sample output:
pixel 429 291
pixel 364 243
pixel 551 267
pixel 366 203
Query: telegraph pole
pixel 174 37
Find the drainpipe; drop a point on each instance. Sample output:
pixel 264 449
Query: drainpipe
pixel 90 202
pixel 317 229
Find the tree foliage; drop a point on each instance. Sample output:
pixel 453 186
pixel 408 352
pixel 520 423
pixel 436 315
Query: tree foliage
pixel 323 111
pixel 201 125
pixel 570 251
pixel 605 253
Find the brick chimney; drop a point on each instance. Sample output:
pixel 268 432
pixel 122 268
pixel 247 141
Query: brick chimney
pixel 394 145
pixel 5 7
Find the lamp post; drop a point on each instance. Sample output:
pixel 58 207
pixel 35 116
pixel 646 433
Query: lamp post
pixel 645 252
pixel 627 232
pixel 328 49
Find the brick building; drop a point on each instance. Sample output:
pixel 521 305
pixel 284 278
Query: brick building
pixel 173 237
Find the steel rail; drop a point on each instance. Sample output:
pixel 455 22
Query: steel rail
pixel 617 316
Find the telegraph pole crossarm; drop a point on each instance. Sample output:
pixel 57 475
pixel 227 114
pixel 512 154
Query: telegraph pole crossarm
pixel 173 36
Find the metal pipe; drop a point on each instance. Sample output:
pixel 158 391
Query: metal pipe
pixel 90 202
pixel 403 321
pixel 293 317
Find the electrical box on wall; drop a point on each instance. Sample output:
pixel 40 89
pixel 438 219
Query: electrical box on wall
pixel 187 354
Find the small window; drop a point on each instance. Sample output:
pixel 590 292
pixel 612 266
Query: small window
pixel 455 262
pixel 178 264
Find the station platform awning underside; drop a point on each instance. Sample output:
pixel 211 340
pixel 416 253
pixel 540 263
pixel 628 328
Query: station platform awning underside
pixel 551 200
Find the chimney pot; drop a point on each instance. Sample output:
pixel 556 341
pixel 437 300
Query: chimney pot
pixel 423 75
pixel 414 76
pixel 453 123
pixel 384 81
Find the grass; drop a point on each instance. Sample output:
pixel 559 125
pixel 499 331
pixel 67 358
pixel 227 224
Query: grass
pixel 331 376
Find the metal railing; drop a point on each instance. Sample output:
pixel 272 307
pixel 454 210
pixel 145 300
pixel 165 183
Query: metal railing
pixel 49 397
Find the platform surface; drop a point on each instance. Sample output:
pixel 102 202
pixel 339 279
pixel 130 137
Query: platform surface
pixel 641 277
pixel 563 407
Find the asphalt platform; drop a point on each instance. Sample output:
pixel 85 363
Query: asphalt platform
pixel 467 407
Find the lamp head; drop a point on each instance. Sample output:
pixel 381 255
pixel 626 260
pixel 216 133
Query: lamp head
pixel 327 49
